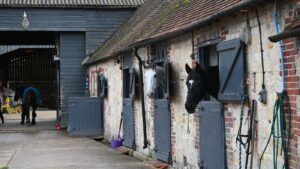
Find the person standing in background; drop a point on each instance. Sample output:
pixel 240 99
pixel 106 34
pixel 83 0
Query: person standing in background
pixel 1 113
pixel 1 82
pixel 1 96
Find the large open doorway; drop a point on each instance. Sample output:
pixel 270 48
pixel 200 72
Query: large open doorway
pixel 27 59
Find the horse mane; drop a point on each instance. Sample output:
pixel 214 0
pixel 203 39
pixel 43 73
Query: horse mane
pixel 161 75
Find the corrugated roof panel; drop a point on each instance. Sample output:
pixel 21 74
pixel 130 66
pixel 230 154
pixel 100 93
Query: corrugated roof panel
pixel 71 3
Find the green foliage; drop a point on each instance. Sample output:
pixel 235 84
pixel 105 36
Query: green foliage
pixel 5 167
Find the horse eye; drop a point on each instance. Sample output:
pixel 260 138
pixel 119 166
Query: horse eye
pixel 154 76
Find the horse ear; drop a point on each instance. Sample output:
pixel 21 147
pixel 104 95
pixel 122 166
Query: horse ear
pixel 188 69
pixel 198 67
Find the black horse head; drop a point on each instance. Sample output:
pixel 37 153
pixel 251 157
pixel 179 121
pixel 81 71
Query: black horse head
pixel 200 83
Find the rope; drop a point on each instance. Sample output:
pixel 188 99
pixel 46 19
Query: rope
pixel 279 130
pixel 239 136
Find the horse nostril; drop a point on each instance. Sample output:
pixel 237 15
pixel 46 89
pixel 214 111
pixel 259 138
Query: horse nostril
pixel 150 94
pixel 189 108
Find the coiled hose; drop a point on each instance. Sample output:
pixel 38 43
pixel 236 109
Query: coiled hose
pixel 279 130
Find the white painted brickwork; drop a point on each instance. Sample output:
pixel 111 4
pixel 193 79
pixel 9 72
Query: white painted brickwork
pixel 180 50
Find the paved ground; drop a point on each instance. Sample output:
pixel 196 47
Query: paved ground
pixel 45 121
pixel 44 148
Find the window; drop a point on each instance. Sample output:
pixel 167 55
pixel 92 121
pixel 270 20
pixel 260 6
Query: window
pixel 225 63
pixel 162 68
pixel 209 60
pixel 128 76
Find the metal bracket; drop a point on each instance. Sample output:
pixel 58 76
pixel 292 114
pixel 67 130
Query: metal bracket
pixel 263 96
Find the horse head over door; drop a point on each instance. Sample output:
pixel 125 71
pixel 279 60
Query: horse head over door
pixel 231 63
pixel 162 114
pixel 128 101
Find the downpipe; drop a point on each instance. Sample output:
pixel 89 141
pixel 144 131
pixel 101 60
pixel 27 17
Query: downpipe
pixel 141 86
pixel 276 26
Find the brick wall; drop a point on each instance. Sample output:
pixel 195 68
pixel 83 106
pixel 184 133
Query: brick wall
pixel 229 28
pixel 173 130
pixel 179 51
pixel 182 140
pixel 113 100
pixel 292 87
pixel 292 84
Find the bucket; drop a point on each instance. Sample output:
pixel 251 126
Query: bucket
pixel 116 143
pixel 58 127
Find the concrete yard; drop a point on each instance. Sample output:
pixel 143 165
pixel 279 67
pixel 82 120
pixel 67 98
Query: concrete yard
pixel 42 147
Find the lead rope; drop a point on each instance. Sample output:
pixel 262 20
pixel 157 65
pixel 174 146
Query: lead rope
pixel 279 130
pixel 239 136
pixel 271 134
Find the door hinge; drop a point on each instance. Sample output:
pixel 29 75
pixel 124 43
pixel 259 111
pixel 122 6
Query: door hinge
pixel 155 148
pixel 202 166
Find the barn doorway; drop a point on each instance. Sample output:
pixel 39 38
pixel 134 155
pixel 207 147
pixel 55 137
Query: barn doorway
pixel 211 121
pixel 228 56
pixel 128 102
pixel 162 112
pixel 27 59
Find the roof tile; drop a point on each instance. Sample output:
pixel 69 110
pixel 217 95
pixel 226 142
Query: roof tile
pixel 159 18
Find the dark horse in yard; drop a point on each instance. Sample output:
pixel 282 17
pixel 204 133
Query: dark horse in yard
pixel 30 98
pixel 201 83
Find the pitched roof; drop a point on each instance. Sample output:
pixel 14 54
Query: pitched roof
pixel 71 3
pixel 163 19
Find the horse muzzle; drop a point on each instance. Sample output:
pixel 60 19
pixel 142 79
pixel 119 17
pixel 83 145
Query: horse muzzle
pixel 150 94
pixel 190 108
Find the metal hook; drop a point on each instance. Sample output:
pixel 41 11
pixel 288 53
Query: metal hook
pixel 188 127
pixel 254 82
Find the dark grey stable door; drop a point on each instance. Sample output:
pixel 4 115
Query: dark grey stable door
pixel 86 116
pixel 86 113
pixel 162 114
pixel 212 135
pixel 162 127
pixel 128 111
pixel 231 70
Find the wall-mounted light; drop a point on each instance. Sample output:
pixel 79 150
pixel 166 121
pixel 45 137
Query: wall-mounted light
pixel 56 58
pixel 25 22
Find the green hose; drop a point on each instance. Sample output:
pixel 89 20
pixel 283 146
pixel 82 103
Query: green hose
pixel 279 131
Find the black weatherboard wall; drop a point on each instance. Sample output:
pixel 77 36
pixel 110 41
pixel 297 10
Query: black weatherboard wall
pixel 81 31
pixel 98 24
pixel 72 74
